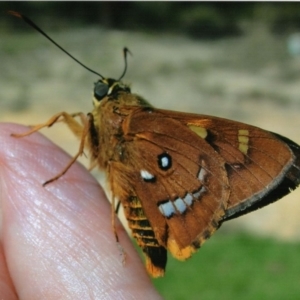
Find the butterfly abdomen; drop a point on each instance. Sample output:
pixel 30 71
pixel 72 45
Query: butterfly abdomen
pixel 156 255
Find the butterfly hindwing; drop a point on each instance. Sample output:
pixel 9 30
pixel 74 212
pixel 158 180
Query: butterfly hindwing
pixel 179 180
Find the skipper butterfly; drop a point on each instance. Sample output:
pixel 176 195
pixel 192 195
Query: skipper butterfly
pixel 179 176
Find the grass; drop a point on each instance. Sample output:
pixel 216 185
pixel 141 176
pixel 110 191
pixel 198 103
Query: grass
pixel 235 266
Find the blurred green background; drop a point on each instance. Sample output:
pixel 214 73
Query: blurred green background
pixel 234 60
pixel 199 20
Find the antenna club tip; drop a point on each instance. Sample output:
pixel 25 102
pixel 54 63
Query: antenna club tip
pixel 14 13
pixel 126 50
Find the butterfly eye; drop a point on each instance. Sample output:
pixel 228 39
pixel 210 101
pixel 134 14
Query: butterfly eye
pixel 100 90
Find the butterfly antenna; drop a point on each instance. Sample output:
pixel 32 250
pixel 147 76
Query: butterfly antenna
pixel 125 51
pixel 32 24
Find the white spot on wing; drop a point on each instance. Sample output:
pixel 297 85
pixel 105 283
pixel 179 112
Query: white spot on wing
pixel 146 175
pixel 198 194
pixel 202 174
pixel 188 199
pixel 165 162
pixel 167 209
pixel 180 205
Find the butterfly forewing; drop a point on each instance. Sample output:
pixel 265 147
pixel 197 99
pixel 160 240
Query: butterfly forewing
pixel 262 167
pixel 286 180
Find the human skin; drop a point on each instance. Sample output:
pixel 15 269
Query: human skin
pixel 57 241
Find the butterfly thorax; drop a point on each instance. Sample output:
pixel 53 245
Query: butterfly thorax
pixel 113 104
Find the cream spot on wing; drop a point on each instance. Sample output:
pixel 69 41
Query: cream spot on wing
pixel 243 139
pixel 201 131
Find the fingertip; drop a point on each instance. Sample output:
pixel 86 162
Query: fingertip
pixel 61 234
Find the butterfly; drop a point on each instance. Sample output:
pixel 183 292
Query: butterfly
pixel 178 175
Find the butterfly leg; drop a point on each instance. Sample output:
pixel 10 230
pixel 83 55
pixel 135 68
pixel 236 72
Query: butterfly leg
pixel 69 119
pixel 84 133
pixel 80 130
pixel 114 212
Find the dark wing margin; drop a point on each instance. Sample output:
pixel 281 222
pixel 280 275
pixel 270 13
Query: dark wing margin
pixel 287 183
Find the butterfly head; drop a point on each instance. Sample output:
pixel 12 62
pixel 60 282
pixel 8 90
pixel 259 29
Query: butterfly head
pixel 108 87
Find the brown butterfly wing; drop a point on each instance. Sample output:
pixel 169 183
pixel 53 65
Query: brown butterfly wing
pixel 287 179
pixel 178 183
pixel 184 174
pixel 262 166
